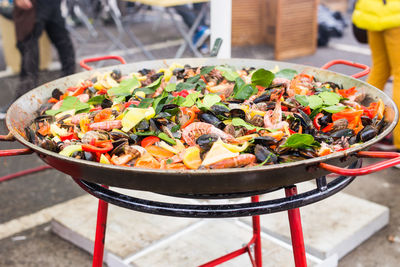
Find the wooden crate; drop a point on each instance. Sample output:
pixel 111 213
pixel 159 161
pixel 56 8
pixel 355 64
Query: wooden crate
pixel 289 25
pixel 296 28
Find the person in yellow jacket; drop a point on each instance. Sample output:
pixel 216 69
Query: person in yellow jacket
pixel 381 19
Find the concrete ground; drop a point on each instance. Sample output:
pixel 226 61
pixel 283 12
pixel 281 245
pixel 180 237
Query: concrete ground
pixel 37 246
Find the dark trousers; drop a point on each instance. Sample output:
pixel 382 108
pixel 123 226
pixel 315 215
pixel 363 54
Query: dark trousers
pixel 48 18
pixel 188 15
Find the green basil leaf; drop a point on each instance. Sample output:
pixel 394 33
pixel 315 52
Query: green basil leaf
pixel 228 73
pixel 315 101
pixel 145 103
pixel 206 70
pixel 96 100
pixel 125 88
pixel 166 138
pixel 190 100
pixel 334 109
pixel 179 100
pixel 200 85
pixel 248 126
pixel 193 79
pixel 315 112
pixel 154 85
pixel 185 86
pixel 70 103
pixel 170 87
pixel 146 90
pixel 302 99
pixel 147 133
pixel 172 111
pixel 330 98
pixel 300 141
pixel 175 128
pixel 242 90
pixel 208 101
pixel 262 77
pixel 286 73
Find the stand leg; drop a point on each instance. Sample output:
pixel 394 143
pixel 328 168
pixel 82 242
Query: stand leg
pixel 100 233
pixel 257 236
pixel 296 231
pixel 255 240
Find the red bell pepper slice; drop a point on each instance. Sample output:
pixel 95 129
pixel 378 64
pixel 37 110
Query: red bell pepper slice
pixel 98 146
pixel 316 122
pixel 81 89
pixel 52 100
pixel 328 128
pixel 149 140
pixel 69 137
pixel 347 92
pixel 307 110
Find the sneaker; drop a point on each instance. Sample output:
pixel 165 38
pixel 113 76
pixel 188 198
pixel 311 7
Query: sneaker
pixel 201 35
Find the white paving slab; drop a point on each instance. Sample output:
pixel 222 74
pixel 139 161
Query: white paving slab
pixel 335 225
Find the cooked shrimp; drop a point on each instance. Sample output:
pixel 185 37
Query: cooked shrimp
pixel 238 161
pixel 196 129
pixel 106 125
pixel 273 119
pixel 223 88
pixel 83 98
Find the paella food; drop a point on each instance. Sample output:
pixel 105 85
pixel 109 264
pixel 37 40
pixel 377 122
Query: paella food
pixel 210 117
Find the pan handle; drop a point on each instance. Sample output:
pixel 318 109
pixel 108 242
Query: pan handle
pixel 13 152
pixel 83 62
pixel 393 159
pixel 365 68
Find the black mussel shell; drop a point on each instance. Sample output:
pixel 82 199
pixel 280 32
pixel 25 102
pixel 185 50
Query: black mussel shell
pixel 325 120
pixel 133 139
pixel 162 116
pixel 78 155
pixel 365 120
pixel 320 137
pixel 92 89
pixel 154 125
pixel 117 135
pixel 263 98
pixel 94 80
pixel 206 141
pixel 118 146
pixel 234 101
pixel 219 110
pixel 30 135
pixel 56 93
pixel 238 113
pixel 43 118
pixel 169 106
pixel 143 125
pixel 352 140
pixel 155 76
pixel 342 133
pixel 144 71
pixel 49 145
pixel 162 120
pixel 116 74
pixel 380 125
pixel 44 107
pixel 106 103
pixel 366 134
pixel 262 154
pixel 332 85
pixel 211 119
pixel 265 140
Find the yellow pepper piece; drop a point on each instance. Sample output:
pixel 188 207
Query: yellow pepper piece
pixel 247 137
pixel 192 158
pixel 217 153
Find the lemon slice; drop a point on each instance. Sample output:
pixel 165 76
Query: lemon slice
pixel 136 115
pixel 217 153
pixel 191 158
pixel 104 159
pixel 235 148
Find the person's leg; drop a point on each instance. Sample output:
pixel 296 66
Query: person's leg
pixel 392 41
pixel 187 15
pixel 380 71
pixel 59 36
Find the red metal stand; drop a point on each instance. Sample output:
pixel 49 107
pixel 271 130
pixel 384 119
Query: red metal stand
pixel 98 253
pixel 255 241
pixel 254 244
pixel 296 231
